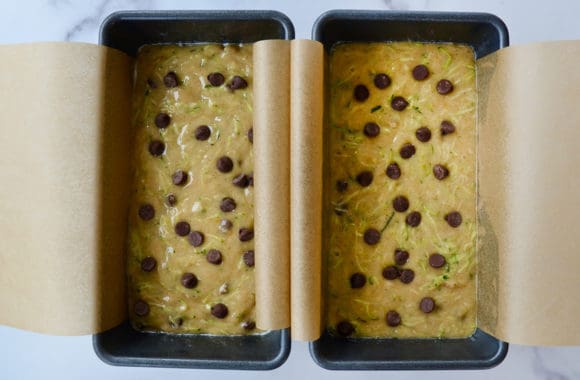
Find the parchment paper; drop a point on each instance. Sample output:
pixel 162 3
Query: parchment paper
pixel 272 178
pixel 529 193
pixel 64 137
pixel 306 96
pixel 64 169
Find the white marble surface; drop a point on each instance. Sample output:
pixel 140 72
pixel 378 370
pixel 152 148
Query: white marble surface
pixel 25 355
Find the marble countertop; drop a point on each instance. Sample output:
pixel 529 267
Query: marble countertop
pixel 25 355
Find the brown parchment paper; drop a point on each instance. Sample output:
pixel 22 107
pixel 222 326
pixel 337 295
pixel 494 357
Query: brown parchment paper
pixel 306 96
pixel 64 136
pixel 272 177
pixel 529 193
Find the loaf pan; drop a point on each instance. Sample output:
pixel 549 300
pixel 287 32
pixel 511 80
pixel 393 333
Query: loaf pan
pixel 485 33
pixel 122 345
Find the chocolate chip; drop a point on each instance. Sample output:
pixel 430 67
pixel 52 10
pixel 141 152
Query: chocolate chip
pixel 251 135
pixel 365 178
pixel 413 219
pixel 391 272
pixel 399 103
pixel 401 256
pixel 436 260
pixel 393 171
pixel 440 172
pixel 228 204
pixel 202 133
pixel 214 256
pixel 196 238
pixel 361 93
pixel 171 199
pixel 241 180
pixel 407 151
pixel 151 83
pixel 401 203
pixel 420 72
pixel 156 148
pixel 148 264
pixel 162 120
pixel 237 83
pixel 382 81
pixel 357 280
pixel 423 134
pixel 219 310
pixel 251 179
pixel 371 129
pixel 444 87
pixel 447 127
pixel 454 219
pixel 248 258
pixel 225 164
pixel 179 178
pixel 189 280
pixel 141 308
pixel 182 228
pixel 427 305
pixel 407 276
pixel 372 236
pixel 225 225
pixel 216 79
pixel 248 325
pixel 245 234
pixel 146 211
pixel 344 328
pixel 341 185
pixel 170 80
pixel 393 318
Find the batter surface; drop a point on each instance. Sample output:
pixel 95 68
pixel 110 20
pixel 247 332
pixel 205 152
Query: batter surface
pixel 401 192
pixel 190 249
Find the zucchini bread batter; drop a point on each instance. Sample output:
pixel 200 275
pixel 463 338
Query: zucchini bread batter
pixel 190 249
pixel 401 197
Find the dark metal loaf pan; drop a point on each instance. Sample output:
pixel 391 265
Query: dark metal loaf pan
pixel 485 33
pixel 127 31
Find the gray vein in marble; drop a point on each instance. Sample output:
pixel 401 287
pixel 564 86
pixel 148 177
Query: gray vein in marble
pixel 400 5
pixel 58 3
pixel 90 20
pixel 98 14
pixel 542 370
